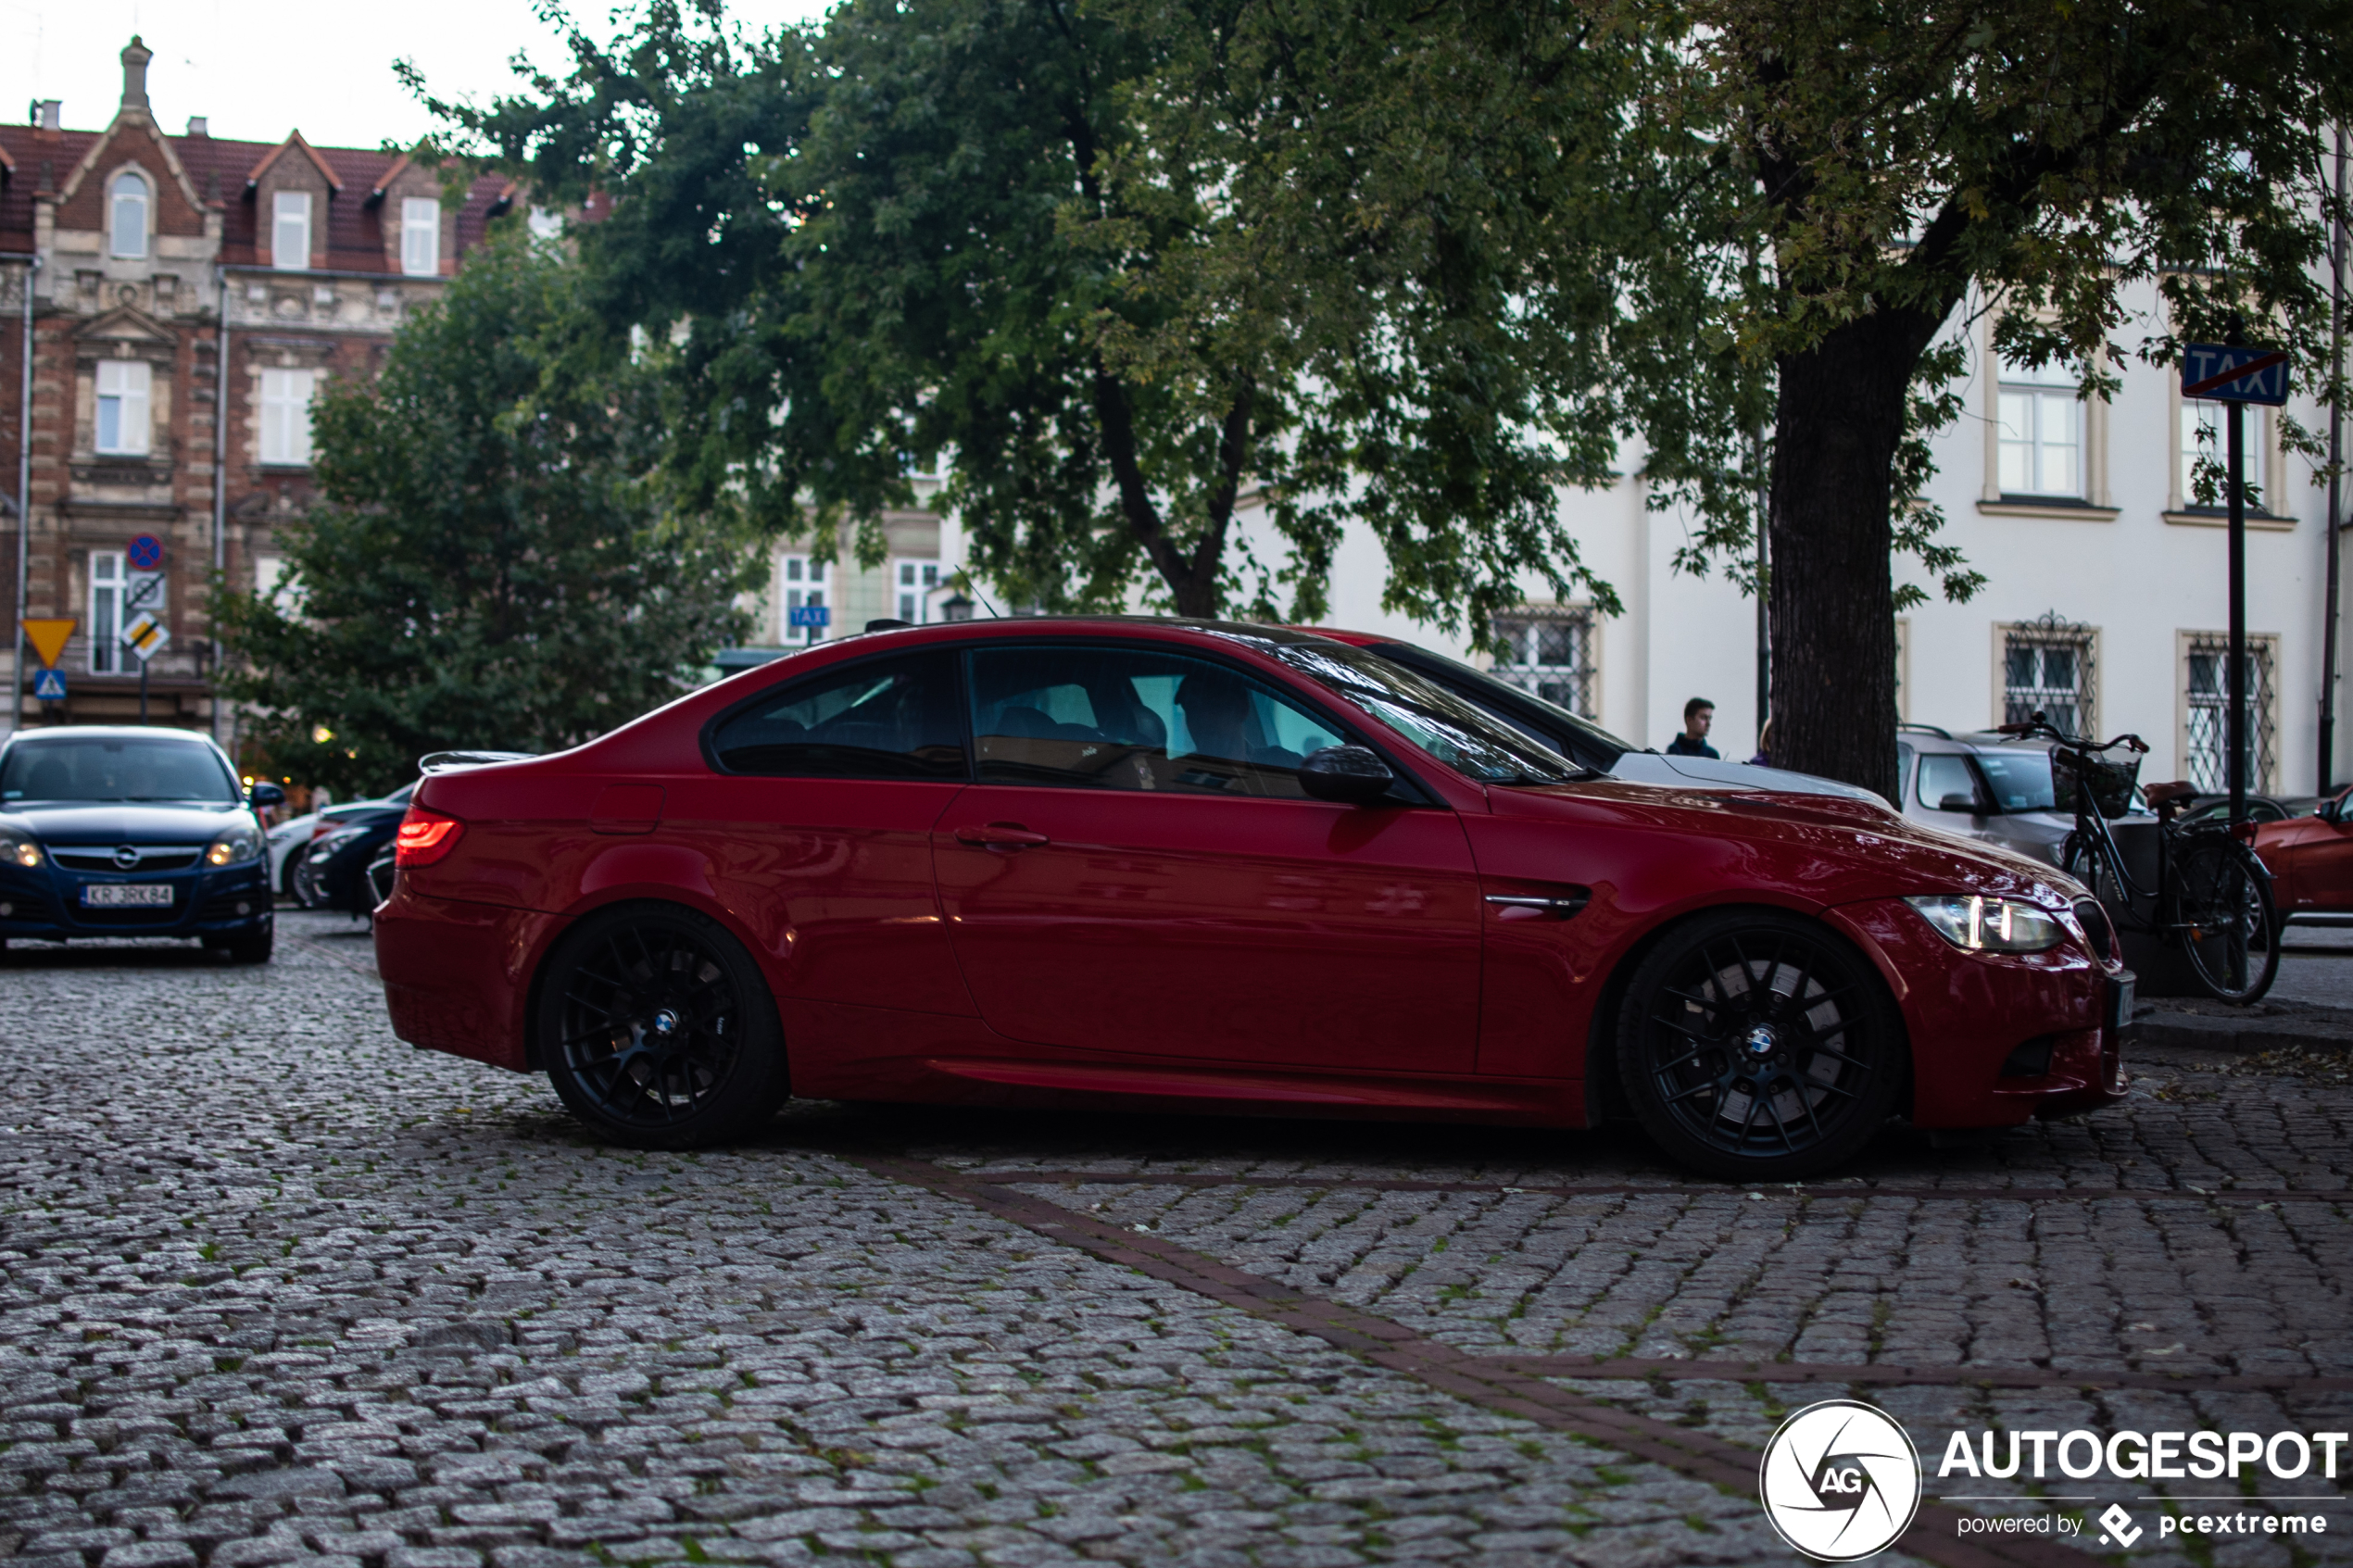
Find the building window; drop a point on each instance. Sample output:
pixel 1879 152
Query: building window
pixel 2048 668
pixel 106 611
pixel 124 425
pixel 2203 440
pixel 420 237
pixel 286 415
pixel 913 580
pixel 804 590
pixel 290 229
pixel 127 217
pixel 2042 431
pixel 1549 650
pixel 2206 672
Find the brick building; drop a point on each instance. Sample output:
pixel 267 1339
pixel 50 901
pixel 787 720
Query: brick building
pixel 142 250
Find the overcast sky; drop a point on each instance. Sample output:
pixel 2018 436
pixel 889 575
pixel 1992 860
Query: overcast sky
pixel 258 68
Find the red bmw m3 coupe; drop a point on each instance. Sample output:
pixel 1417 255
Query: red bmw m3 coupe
pixel 1186 864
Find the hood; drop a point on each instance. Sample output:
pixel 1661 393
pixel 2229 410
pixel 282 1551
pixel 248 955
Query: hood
pixel 1836 849
pixel 1709 770
pixel 83 823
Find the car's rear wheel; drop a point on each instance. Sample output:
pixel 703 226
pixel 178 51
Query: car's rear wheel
pixel 1756 1045
pixel 293 868
pixel 657 1030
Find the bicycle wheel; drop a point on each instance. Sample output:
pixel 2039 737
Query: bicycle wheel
pixel 2223 902
pixel 2082 859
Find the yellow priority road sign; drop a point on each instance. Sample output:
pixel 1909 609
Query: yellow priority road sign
pixel 145 636
pixel 48 636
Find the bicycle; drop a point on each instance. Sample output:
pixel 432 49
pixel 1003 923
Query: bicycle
pixel 2213 895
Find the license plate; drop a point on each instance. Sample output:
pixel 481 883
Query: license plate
pixel 2120 1002
pixel 127 896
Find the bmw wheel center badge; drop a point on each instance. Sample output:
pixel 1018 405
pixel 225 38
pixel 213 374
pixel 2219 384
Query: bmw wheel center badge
pixel 1841 1480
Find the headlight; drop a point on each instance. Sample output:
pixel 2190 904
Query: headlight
pixel 1979 924
pixel 237 843
pixel 17 851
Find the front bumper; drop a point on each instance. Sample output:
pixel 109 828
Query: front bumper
pixel 1998 1039
pixel 45 902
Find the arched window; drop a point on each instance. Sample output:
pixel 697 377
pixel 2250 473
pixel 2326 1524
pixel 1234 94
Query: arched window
pixel 128 215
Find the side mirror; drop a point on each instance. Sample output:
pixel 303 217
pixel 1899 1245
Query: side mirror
pixel 1967 803
pixel 1350 775
pixel 265 795
pixel 2332 811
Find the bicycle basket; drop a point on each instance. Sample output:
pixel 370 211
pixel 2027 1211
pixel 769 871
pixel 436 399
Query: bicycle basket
pixel 2109 783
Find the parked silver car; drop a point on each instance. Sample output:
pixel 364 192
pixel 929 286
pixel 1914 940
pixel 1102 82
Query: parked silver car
pixel 1987 787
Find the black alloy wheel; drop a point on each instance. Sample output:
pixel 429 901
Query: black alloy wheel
pixel 1756 1045
pixel 657 1030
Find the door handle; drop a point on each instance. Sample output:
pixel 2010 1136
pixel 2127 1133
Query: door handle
pixel 1001 835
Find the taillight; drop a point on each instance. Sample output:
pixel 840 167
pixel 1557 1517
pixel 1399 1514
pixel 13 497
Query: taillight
pixel 424 838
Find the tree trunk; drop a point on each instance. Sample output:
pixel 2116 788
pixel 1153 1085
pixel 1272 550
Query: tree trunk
pixel 1840 418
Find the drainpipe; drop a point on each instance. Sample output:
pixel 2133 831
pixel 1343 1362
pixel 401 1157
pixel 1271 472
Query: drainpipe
pixel 24 495
pixel 2336 456
pixel 219 505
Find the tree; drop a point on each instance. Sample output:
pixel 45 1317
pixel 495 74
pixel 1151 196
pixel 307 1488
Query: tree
pixel 1740 232
pixel 489 562
pixel 929 227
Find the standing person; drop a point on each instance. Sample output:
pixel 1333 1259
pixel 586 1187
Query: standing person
pixel 1698 714
pixel 1764 758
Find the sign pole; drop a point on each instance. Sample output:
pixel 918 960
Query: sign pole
pixel 2236 735
pixel 143 696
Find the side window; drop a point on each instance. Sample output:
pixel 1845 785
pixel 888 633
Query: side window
pixel 1943 776
pixel 884 719
pixel 1114 718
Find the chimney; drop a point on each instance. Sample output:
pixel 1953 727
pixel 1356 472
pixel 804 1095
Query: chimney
pixel 48 114
pixel 135 74
pixel 199 126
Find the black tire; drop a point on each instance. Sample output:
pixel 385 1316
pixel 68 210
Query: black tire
pixel 2223 897
pixel 2082 860
pixel 253 946
pixel 295 857
pixel 657 1030
pixel 1713 1014
pixel 307 891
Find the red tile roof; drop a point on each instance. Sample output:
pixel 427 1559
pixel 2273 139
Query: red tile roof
pixel 220 168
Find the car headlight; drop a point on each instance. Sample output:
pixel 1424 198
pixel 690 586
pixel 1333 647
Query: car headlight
pixel 235 845
pixel 1979 924
pixel 15 851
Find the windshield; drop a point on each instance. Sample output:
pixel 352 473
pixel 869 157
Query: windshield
pixel 1596 746
pixel 1465 738
pixel 2022 779
pixel 102 767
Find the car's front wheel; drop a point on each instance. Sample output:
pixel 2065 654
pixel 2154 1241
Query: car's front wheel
pixel 1756 1045
pixel 659 1031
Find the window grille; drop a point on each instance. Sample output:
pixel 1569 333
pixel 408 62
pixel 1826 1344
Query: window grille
pixel 2047 667
pixel 2208 673
pixel 1549 650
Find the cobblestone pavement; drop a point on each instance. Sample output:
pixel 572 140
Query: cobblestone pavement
pixel 275 1288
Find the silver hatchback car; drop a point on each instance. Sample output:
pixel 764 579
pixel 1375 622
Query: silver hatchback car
pixel 1987 787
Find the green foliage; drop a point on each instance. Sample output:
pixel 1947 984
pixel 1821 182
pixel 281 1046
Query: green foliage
pixel 489 563
pixel 964 228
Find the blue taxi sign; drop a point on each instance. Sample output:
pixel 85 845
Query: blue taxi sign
pixel 2229 373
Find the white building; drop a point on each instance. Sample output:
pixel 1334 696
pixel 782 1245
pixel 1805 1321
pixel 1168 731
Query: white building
pixel 2104 605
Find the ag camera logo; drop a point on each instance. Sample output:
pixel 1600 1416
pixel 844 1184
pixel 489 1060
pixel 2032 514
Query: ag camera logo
pixel 1841 1480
